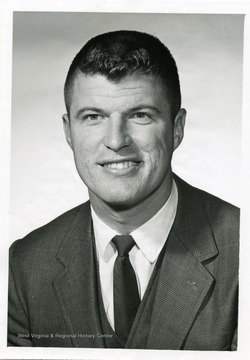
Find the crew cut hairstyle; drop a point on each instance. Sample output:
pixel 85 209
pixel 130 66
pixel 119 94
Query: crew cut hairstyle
pixel 118 54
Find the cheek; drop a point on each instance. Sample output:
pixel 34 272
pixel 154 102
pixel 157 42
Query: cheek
pixel 82 154
pixel 83 145
pixel 158 148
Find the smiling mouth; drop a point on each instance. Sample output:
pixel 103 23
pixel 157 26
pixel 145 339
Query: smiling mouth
pixel 121 165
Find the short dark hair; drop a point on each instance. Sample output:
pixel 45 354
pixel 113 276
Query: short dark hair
pixel 118 54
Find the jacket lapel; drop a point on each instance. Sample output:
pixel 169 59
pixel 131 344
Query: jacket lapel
pixel 183 281
pixel 76 285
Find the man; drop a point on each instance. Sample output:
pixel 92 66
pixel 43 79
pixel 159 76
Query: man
pixel 150 262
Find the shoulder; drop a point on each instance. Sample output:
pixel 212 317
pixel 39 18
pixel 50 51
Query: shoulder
pixel 192 193
pixel 220 214
pixel 211 226
pixel 46 240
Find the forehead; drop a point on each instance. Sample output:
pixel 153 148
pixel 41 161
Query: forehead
pixel 130 89
pixel 102 83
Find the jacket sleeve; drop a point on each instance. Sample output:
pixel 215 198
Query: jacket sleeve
pixel 18 323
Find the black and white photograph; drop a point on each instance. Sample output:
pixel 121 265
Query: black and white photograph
pixel 126 180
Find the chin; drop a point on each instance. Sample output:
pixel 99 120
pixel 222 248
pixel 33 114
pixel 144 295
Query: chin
pixel 121 202
pixel 121 206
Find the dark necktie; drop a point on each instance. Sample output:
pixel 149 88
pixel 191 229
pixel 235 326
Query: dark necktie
pixel 126 296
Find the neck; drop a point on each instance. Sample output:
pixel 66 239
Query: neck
pixel 125 220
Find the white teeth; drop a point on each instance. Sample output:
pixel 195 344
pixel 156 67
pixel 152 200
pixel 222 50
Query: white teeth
pixel 120 165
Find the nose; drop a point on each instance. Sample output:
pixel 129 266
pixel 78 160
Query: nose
pixel 116 133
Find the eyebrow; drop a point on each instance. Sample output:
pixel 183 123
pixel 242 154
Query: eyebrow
pixel 134 109
pixel 145 106
pixel 85 109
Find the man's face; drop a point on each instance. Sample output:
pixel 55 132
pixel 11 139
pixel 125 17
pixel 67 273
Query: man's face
pixel 122 137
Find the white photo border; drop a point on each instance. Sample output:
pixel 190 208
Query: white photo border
pixel 161 6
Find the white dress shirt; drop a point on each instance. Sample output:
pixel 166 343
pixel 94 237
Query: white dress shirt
pixel 149 238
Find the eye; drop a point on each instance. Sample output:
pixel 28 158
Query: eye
pixel 92 118
pixel 141 117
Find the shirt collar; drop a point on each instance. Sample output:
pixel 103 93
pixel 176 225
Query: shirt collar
pixel 103 236
pixel 149 237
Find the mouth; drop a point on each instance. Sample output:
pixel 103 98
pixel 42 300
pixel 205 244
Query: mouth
pixel 122 166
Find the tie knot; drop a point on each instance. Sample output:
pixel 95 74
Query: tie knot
pixel 123 244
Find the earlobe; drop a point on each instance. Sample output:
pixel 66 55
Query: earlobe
pixel 179 124
pixel 66 127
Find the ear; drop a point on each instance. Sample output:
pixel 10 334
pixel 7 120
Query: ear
pixel 66 128
pixel 179 124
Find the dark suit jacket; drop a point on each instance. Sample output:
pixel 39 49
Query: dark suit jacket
pixel 53 292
